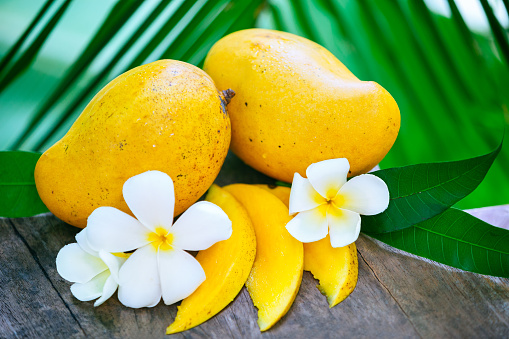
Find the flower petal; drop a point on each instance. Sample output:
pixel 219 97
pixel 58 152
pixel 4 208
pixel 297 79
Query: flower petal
pixel 82 240
pixel 110 286
pixel 181 274
pixel 76 265
pixel 309 226
pixel 92 289
pixel 151 198
pixel 112 230
pixel 139 283
pixel 344 226
pixel 200 227
pixel 366 194
pixel 303 196
pixel 328 176
pixel 113 262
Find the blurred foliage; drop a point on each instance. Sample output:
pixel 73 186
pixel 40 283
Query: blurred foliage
pixel 451 83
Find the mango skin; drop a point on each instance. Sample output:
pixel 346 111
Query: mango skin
pixel 276 275
pixel 166 116
pixel 297 104
pixel 337 269
pixel 227 265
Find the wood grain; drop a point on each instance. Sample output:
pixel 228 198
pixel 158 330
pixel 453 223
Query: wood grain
pixel 398 295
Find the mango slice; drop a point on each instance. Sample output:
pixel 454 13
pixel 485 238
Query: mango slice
pixel 335 268
pixel 227 265
pixel 282 192
pixel 277 271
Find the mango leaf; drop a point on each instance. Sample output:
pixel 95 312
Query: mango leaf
pixel 17 185
pixel 457 239
pixel 419 192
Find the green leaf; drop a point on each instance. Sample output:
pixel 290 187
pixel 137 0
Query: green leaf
pixel 447 112
pixel 15 48
pixel 17 185
pixel 29 55
pixel 457 239
pixel 117 18
pixel 498 31
pixel 419 192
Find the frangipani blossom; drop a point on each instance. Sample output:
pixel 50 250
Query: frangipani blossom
pixel 328 203
pixel 159 267
pixel 94 273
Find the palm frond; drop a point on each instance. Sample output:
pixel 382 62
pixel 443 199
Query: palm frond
pixel 10 73
pixel 187 33
pixel 450 82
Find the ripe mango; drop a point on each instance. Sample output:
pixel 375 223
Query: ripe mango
pixel 276 275
pixel 227 265
pixel 296 104
pixel 336 268
pixel 166 116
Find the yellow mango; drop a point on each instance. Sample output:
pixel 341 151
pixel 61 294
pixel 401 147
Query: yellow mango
pixel 226 264
pixel 283 193
pixel 277 270
pixel 335 268
pixel 297 104
pixel 166 116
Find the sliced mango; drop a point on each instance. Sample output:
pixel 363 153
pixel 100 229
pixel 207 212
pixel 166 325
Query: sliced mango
pixel 227 265
pixel 277 270
pixel 335 268
pixel 282 192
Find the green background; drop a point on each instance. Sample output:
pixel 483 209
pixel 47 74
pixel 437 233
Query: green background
pixel 448 73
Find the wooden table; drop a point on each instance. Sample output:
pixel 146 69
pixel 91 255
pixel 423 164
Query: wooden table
pixel 398 295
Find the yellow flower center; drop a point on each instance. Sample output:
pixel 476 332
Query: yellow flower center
pixel 161 239
pixel 338 200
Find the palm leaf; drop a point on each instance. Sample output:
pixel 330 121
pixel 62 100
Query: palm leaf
pixel 28 56
pixel 15 48
pixel 451 83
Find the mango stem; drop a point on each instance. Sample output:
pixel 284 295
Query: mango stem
pixel 228 95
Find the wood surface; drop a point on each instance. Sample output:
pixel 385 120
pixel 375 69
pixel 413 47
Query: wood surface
pixel 398 295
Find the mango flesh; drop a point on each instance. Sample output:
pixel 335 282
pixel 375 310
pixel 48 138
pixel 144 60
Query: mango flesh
pixel 296 104
pixel 277 270
pixel 336 269
pixel 166 116
pixel 226 264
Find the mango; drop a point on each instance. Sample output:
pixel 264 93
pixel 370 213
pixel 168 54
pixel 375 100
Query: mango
pixel 297 104
pixel 335 268
pixel 276 275
pixel 227 265
pixel 167 116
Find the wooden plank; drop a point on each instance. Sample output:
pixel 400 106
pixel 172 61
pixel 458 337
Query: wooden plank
pixel 397 295
pixel 29 305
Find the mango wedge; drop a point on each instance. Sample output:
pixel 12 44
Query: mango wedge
pixel 335 268
pixel 283 193
pixel 227 265
pixel 277 271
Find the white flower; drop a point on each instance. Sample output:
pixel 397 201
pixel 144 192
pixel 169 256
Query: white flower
pixel 159 267
pixel 95 274
pixel 328 203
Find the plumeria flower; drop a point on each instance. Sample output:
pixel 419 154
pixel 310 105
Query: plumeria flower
pixel 159 267
pixel 94 273
pixel 328 203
